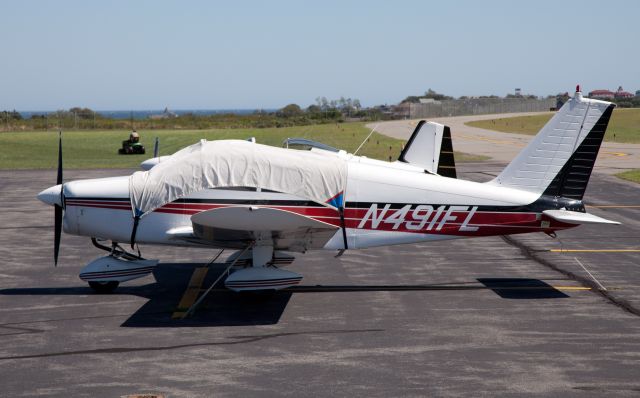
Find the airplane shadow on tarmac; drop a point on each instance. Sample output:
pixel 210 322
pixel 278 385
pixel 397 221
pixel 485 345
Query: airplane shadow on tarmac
pixel 225 308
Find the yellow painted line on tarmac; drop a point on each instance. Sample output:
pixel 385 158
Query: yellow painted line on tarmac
pixel 595 250
pixel 491 140
pixel 191 294
pixel 571 288
pixel 619 154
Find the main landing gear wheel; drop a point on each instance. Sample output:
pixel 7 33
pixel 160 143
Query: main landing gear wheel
pixel 104 287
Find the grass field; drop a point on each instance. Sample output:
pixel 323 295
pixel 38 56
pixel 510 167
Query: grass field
pixel 623 127
pixel 631 175
pixel 98 149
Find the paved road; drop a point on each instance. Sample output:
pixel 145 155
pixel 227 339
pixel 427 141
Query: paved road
pixel 461 318
pixel 503 147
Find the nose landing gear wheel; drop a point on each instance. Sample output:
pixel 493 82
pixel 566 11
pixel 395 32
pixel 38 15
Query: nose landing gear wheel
pixel 104 287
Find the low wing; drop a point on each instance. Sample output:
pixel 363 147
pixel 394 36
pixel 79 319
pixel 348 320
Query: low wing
pixel 235 227
pixel 574 217
pixel 431 148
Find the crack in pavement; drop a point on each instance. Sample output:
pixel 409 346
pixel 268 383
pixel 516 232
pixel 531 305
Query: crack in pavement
pixel 239 340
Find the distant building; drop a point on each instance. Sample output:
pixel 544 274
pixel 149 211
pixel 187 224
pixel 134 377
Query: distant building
pixel 385 109
pixel 602 94
pixel 623 94
pixel 518 92
pixel 166 114
pixel 427 101
pixel 606 94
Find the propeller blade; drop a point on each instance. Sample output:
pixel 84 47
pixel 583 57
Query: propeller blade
pixel 59 179
pixel 58 233
pixel 58 209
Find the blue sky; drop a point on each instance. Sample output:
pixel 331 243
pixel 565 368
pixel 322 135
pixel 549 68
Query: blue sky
pixel 264 54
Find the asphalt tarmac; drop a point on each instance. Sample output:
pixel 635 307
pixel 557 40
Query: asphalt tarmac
pixel 477 317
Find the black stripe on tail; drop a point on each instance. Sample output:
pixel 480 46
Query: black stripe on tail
pixel 447 163
pixel 571 182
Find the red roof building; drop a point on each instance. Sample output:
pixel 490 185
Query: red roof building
pixel 604 94
pixel 623 94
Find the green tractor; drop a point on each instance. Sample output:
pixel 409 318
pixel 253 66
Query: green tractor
pixel 132 145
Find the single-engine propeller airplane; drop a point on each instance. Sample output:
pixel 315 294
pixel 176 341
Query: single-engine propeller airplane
pixel 264 201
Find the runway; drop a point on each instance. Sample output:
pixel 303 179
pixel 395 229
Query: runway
pixel 478 317
pixel 614 157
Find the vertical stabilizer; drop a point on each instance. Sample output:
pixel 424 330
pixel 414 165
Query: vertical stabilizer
pixel 560 158
pixel 431 148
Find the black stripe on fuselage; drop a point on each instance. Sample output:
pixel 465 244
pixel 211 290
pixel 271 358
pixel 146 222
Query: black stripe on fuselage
pixel 97 198
pixel 262 202
pixel 543 203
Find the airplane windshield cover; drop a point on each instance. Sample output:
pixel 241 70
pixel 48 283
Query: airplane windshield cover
pixel 234 163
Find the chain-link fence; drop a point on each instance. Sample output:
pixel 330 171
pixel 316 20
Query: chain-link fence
pixel 68 120
pixel 479 106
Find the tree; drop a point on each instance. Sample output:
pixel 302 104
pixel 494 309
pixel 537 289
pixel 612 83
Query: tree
pixel 411 99
pixel 290 110
pixel 436 96
pixel 314 109
pixel 561 98
pixel 82 113
pixel 11 115
pixel 323 103
pixel 342 103
pixel 335 107
pixel 414 99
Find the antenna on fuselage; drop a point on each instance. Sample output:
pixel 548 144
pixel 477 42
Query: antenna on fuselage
pixel 365 140
pixel 156 148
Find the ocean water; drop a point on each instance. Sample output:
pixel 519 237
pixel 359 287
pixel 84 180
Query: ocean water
pixel 143 114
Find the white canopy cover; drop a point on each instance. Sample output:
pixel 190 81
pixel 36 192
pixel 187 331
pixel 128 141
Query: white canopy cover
pixel 237 163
